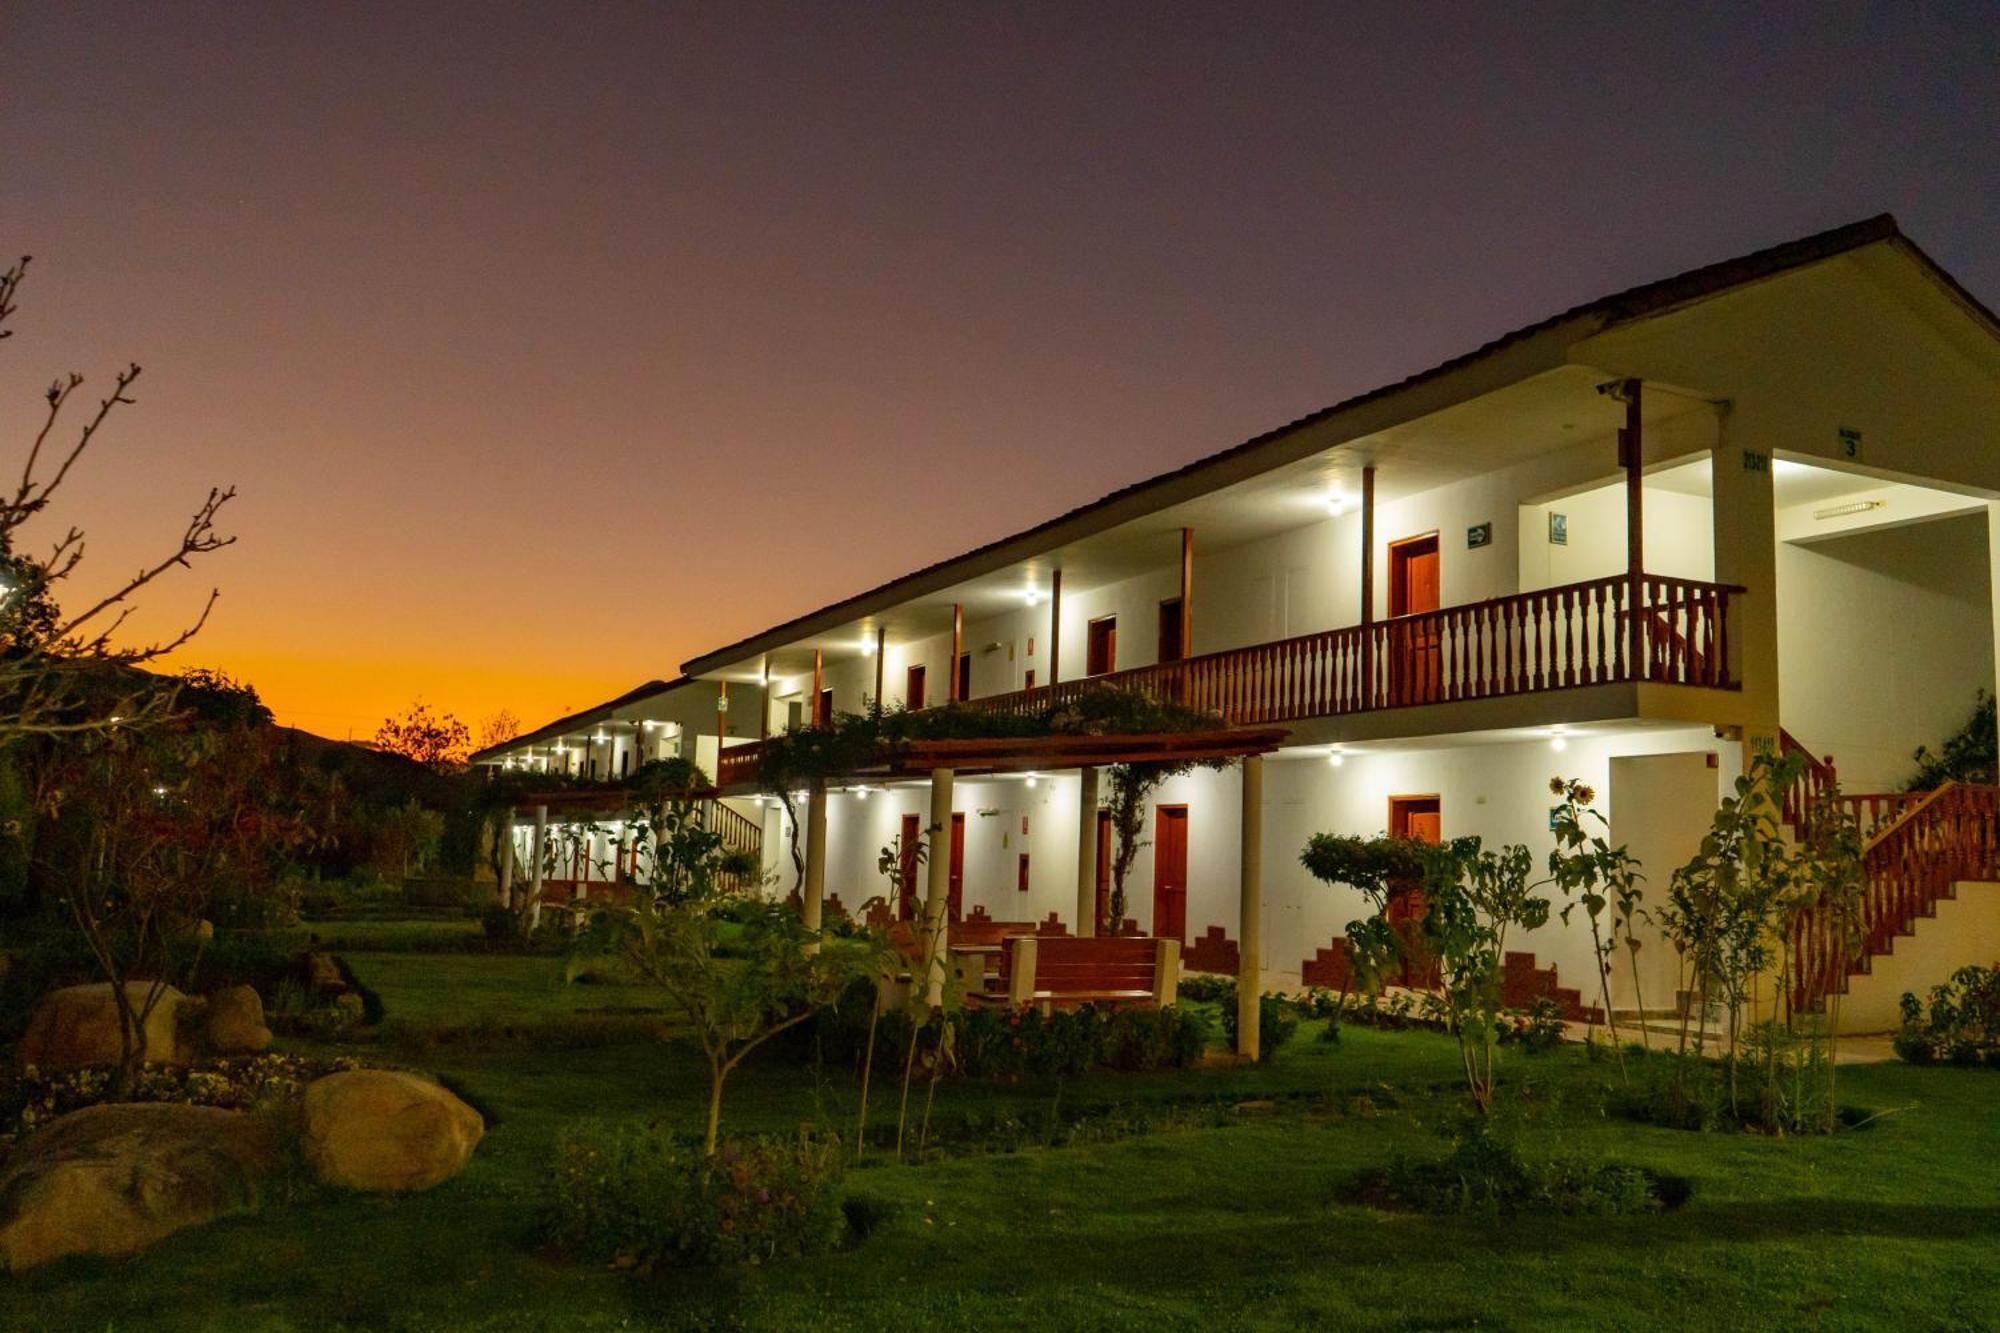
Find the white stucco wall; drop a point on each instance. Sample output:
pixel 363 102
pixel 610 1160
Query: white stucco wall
pixel 1884 636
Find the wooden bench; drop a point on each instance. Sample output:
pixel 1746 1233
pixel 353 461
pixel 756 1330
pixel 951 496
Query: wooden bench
pixel 1061 971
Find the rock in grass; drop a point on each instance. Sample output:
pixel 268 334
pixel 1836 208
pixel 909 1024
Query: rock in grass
pixel 116 1178
pixel 78 1025
pixel 378 1130
pixel 234 1024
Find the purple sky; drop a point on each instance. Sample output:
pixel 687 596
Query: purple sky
pixel 551 346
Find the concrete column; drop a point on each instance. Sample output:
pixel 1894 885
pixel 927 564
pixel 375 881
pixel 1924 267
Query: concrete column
pixel 1086 852
pixel 1746 553
pixel 537 854
pixel 1250 911
pixel 937 892
pixel 813 892
pixel 507 857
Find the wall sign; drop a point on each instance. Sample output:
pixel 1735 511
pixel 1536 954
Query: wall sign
pixel 1850 442
pixel 1478 535
pixel 1559 529
pixel 1756 462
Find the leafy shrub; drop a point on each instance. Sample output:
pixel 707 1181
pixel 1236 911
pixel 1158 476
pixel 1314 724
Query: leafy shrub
pixel 1484 1174
pixel 1277 1020
pixel 1011 1044
pixel 630 1194
pixel 1959 1026
pixel 1782 1089
pixel 1207 987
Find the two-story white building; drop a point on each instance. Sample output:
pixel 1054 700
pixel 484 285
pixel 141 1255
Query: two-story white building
pixel 1751 502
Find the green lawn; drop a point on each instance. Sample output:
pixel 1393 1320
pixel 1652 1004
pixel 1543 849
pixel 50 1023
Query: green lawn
pixel 1234 1225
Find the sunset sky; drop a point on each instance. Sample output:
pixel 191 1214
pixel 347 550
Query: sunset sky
pixel 550 346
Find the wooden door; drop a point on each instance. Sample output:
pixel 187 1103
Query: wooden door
pixel 1171 647
pixel 913 689
pixel 1102 657
pixel 1104 925
pixel 1419 818
pixel 955 899
pixel 1414 640
pixel 965 675
pixel 1170 872
pixel 906 867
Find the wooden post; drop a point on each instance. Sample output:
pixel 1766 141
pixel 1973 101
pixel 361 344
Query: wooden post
pixel 721 719
pixel 1055 627
pixel 763 702
pixel 1086 852
pixel 1167 971
pixel 1631 455
pixel 1367 584
pixel 937 892
pixel 1250 911
pixel 819 674
pixel 881 656
pixel 957 645
pixel 1187 592
pixel 813 891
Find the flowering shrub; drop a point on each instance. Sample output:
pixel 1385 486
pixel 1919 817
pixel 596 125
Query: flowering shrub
pixel 636 1196
pixel 31 1098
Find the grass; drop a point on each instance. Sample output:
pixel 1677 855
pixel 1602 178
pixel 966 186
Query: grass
pixel 1238 1225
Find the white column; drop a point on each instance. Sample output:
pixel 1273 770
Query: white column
pixel 537 853
pixel 1250 911
pixel 937 893
pixel 813 891
pixel 1746 553
pixel 1086 852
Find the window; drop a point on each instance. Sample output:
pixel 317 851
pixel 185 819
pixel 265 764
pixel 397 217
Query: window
pixel 1103 655
pixel 965 675
pixel 1171 647
pixel 913 689
pixel 1028 681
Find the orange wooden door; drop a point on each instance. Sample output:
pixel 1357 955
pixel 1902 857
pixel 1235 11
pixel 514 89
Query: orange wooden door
pixel 1414 644
pixel 955 902
pixel 1420 818
pixel 1170 873
pixel 906 868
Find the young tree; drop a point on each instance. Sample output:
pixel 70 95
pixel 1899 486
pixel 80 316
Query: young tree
pixel 1604 881
pixel 434 739
pixel 70 673
pixel 1472 899
pixel 498 729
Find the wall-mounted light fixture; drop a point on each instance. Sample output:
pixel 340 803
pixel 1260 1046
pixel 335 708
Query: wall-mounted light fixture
pixel 1852 507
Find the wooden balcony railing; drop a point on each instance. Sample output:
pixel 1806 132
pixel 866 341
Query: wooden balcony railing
pixel 1667 630
pixel 1674 631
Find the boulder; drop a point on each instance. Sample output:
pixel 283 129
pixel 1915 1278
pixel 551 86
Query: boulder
pixel 375 1129
pixel 78 1025
pixel 234 1024
pixel 115 1178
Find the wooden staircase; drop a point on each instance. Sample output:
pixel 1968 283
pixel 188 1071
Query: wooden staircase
pixel 1918 847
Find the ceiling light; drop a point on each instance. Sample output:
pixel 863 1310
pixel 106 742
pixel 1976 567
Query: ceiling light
pixel 1557 741
pixel 1852 507
pixel 868 647
pixel 1033 596
pixel 1336 502
pixel 1032 779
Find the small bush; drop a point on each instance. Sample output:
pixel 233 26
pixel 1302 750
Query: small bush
pixel 1277 1020
pixel 1484 1174
pixel 1959 1026
pixel 1207 987
pixel 628 1194
pixel 30 1097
